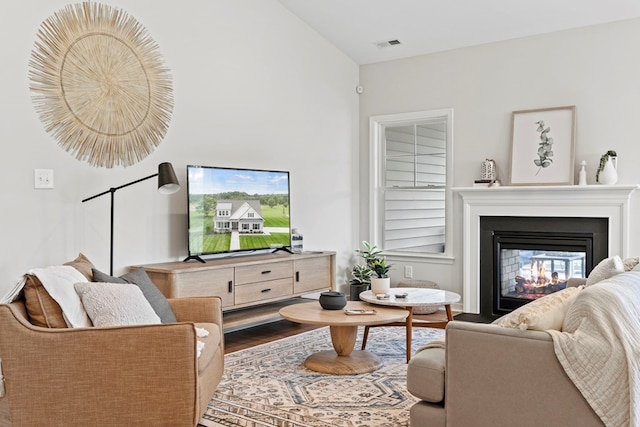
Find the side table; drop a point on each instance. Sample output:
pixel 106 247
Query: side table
pixel 416 297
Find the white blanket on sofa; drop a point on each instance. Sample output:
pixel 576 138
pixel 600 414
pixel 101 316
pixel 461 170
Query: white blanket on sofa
pixel 599 348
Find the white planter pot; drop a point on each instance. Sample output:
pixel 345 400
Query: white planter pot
pixel 381 286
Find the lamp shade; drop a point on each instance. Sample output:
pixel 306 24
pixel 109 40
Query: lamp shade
pixel 167 180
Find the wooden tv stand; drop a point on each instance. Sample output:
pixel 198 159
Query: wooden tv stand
pixel 253 287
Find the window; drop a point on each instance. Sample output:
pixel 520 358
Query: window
pixel 410 175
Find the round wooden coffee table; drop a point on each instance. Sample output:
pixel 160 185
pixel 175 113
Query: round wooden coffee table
pixel 344 329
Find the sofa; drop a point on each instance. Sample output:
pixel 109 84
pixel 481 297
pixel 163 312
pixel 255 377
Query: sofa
pixel 160 374
pixel 567 359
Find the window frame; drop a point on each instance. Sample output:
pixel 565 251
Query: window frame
pixel 377 126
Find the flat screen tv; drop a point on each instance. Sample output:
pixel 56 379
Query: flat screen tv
pixel 237 210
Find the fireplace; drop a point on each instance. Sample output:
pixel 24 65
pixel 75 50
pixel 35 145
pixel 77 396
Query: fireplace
pixel 525 258
pixel 610 202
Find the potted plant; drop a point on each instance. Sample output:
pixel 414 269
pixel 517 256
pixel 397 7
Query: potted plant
pixel 607 173
pixel 360 280
pixel 382 283
pixel 371 255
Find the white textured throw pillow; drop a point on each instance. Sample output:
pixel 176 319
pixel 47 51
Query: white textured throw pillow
pixel 116 304
pixel 605 269
pixel 542 314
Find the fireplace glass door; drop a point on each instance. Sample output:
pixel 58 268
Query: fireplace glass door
pixel 530 266
pixel 530 274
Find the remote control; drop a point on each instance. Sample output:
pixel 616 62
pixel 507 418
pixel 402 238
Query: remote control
pixel 350 311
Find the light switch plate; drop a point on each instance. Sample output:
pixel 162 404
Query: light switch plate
pixel 43 178
pixel 408 272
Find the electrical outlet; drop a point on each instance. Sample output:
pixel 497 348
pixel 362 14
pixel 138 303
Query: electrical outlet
pixel 408 272
pixel 43 178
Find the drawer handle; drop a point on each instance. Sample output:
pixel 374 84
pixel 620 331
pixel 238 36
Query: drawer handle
pixel 266 272
pixel 264 291
pixel 230 286
pixel 297 276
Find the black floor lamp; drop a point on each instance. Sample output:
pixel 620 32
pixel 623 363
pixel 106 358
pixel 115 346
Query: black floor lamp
pixel 167 184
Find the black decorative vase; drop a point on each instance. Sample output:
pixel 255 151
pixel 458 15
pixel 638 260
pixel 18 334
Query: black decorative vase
pixel 332 300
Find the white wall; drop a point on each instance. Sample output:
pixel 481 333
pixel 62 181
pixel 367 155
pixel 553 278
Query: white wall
pixel 254 87
pixel 597 69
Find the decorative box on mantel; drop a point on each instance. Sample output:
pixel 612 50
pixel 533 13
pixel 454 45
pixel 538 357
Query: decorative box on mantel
pixel 573 201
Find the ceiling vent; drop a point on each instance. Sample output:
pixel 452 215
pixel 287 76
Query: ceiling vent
pixel 387 43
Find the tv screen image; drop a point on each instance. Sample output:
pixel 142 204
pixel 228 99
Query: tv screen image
pixel 234 210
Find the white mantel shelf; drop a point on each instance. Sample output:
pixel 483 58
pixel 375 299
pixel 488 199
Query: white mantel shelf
pixel 537 191
pixel 577 201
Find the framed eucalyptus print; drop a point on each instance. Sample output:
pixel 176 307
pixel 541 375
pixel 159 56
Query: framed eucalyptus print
pixel 542 146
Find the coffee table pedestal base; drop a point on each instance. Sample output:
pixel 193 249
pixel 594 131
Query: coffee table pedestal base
pixel 329 362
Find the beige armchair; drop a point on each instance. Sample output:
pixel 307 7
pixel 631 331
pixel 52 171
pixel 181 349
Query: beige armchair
pixel 119 376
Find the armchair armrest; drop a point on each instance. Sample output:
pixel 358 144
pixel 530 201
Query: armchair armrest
pixel 197 309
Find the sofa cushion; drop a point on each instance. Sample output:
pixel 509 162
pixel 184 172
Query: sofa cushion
pixel 542 314
pixel 151 292
pixel 83 265
pixel 605 269
pixel 43 310
pixel 58 281
pixel 425 374
pixel 115 304
pixel 631 263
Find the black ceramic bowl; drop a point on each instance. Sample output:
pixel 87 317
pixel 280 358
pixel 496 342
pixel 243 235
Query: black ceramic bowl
pixel 333 300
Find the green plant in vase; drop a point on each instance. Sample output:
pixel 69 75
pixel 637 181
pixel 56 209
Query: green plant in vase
pixel 381 268
pixel 373 258
pixel 370 253
pixel 361 275
pixel 603 161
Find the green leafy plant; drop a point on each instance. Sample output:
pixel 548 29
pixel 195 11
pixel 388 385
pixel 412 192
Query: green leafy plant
pixel 603 161
pixel 361 274
pixel 374 260
pixel 369 254
pixel 381 268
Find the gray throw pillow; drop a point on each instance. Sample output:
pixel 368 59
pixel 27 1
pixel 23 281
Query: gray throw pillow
pixel 150 291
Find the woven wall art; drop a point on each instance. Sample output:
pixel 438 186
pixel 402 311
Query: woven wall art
pixel 99 85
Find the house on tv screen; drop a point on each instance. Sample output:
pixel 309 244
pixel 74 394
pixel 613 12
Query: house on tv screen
pixel 244 216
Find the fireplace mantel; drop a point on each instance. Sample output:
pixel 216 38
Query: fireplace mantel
pixel 596 201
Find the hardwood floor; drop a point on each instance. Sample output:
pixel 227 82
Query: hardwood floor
pixel 239 340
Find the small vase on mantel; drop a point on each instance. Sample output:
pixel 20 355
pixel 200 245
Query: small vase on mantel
pixel 608 169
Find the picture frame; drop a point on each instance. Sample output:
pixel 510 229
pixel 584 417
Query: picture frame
pixel 543 146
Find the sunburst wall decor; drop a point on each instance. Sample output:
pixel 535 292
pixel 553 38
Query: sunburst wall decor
pixel 99 85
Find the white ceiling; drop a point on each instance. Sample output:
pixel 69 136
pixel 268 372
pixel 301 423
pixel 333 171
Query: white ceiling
pixel 427 26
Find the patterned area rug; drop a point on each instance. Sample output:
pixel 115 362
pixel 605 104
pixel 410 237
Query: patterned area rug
pixel 268 385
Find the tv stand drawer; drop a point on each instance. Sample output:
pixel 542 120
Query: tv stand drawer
pixel 260 273
pixel 263 291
